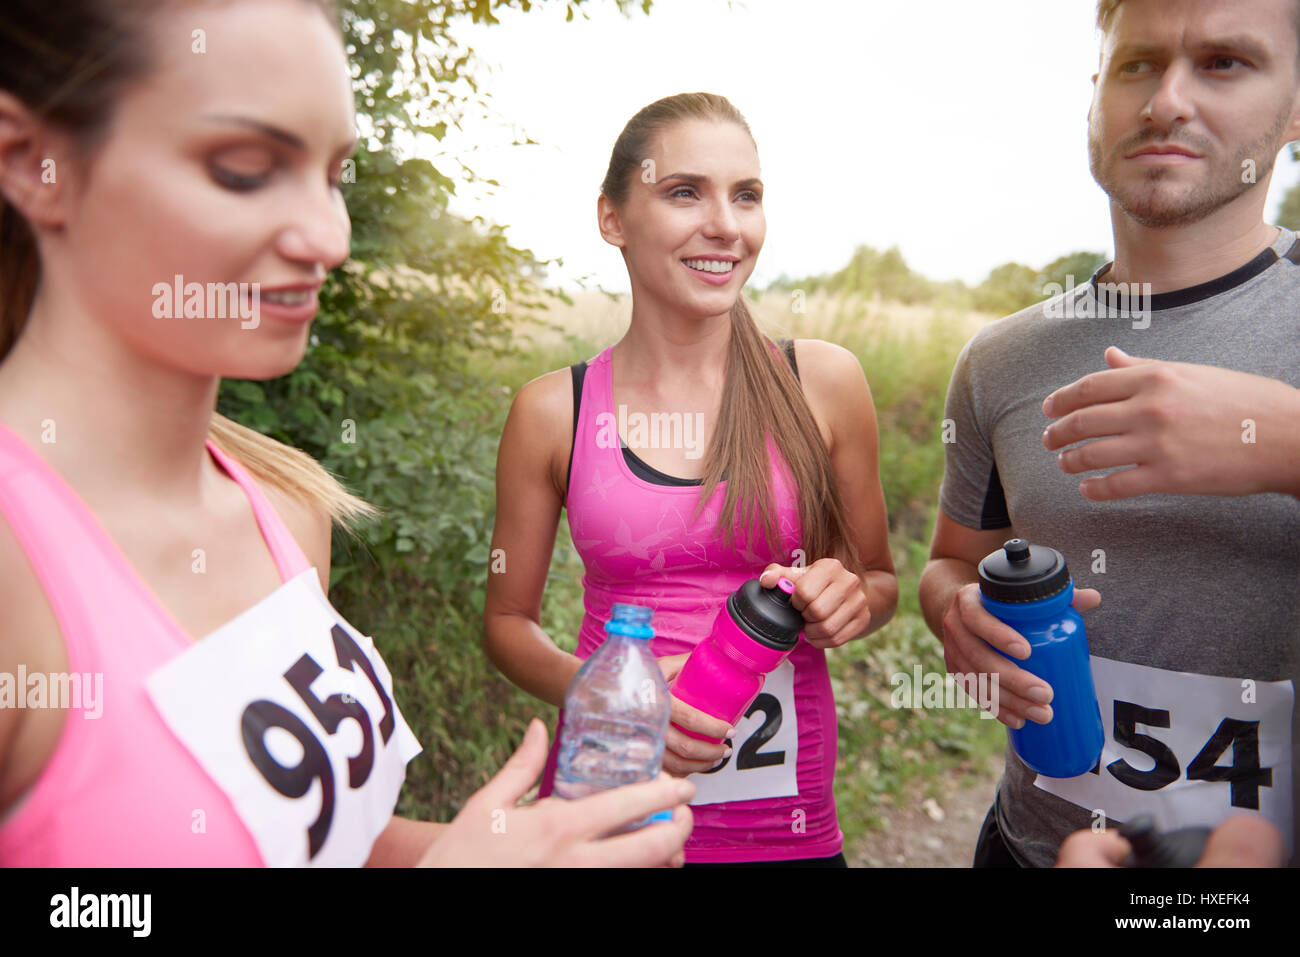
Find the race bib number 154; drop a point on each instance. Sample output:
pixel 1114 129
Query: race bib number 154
pixel 1188 749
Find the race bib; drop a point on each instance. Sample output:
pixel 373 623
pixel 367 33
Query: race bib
pixel 1187 749
pixel 290 710
pixel 765 749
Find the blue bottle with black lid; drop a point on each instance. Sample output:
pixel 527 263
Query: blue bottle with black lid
pixel 1030 589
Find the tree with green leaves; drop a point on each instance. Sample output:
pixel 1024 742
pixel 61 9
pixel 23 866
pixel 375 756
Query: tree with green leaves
pixel 392 395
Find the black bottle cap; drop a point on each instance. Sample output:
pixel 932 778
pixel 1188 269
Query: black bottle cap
pixel 1181 848
pixel 1020 572
pixel 765 614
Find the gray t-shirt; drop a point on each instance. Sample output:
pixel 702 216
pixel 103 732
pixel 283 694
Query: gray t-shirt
pixel 1191 585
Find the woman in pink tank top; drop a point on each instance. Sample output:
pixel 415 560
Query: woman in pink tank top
pixel 166 623
pixel 691 456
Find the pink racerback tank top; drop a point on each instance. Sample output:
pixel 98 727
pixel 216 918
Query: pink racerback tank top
pixel 119 789
pixel 640 545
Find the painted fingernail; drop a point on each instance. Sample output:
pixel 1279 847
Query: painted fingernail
pixel 1040 693
pixel 1039 715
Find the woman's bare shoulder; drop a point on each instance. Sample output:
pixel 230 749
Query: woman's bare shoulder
pixel 835 385
pixel 539 429
pixel 29 637
pixel 309 524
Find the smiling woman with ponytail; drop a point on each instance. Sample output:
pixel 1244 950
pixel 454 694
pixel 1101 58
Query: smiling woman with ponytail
pixel 788 484
pixel 173 562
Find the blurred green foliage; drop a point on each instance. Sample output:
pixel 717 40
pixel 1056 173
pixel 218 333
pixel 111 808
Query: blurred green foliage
pixel 887 276
pixel 393 358
pixel 1289 214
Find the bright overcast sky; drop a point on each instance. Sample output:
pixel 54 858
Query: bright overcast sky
pixel 953 129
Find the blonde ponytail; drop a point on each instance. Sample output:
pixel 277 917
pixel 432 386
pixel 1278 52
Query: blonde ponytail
pixel 290 470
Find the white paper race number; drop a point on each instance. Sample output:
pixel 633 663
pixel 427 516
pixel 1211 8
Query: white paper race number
pixel 290 710
pixel 765 755
pixel 1188 749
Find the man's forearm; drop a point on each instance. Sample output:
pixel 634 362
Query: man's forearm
pixel 940 582
pixel 1289 466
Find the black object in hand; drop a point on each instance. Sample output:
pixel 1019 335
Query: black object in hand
pixel 1151 848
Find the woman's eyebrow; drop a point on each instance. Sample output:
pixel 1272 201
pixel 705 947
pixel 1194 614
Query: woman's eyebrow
pixel 275 132
pixel 700 179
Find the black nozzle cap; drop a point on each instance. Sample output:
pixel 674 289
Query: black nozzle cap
pixel 1181 848
pixel 1020 572
pixel 766 615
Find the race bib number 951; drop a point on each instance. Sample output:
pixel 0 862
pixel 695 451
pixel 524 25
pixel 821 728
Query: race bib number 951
pixel 290 710
pixel 1188 749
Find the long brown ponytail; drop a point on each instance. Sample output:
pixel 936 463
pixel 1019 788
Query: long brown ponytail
pixel 761 397
pixel 68 61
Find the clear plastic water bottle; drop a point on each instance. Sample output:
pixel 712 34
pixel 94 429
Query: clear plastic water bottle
pixel 615 714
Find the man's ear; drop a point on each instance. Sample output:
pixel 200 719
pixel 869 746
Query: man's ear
pixel 611 229
pixel 35 171
pixel 1292 132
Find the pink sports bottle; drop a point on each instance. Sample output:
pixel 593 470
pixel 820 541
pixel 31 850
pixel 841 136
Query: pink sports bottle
pixel 753 634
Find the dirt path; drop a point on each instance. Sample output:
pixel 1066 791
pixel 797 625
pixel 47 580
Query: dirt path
pixel 929 833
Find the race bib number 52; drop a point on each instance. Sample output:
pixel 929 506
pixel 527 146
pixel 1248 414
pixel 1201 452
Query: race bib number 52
pixel 1188 749
pixel 290 710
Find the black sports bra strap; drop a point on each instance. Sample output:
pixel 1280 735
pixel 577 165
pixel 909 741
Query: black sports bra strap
pixel 787 346
pixel 578 371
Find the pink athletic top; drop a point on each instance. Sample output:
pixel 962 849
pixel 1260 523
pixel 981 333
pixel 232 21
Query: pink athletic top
pixel 640 546
pixel 120 789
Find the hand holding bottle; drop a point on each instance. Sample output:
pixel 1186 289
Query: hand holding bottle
pixel 684 754
pixel 831 598
pixel 493 831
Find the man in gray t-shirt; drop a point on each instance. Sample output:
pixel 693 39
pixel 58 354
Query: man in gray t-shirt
pixel 1176 493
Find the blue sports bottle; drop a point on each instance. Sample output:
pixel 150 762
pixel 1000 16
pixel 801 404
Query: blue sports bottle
pixel 1029 588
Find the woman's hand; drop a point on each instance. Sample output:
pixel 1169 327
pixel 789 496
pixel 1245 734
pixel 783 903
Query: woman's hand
pixel 683 754
pixel 831 598
pixel 492 831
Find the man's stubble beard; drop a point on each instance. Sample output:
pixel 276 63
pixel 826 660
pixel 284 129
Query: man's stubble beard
pixel 1149 206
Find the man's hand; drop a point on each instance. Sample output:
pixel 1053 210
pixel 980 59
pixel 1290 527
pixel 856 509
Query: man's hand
pixel 1240 841
pixel 1186 429
pixel 970 635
